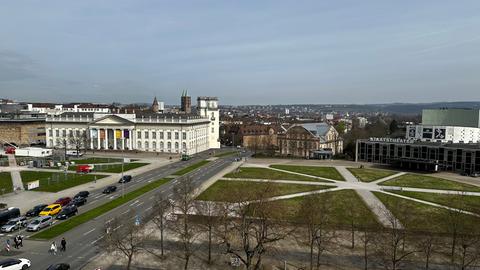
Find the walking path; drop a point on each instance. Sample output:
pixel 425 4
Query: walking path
pixel 15 174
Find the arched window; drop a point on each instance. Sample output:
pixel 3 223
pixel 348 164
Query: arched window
pixel 169 145
pixel 176 145
pixel 146 145
pixel 139 145
pixel 161 146
pixel 184 146
pixel 154 145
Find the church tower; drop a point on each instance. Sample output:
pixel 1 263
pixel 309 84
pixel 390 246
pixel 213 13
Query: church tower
pixel 186 102
pixel 155 105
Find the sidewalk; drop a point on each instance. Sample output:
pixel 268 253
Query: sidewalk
pixel 15 175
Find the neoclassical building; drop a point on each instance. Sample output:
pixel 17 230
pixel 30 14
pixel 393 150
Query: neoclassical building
pixel 145 131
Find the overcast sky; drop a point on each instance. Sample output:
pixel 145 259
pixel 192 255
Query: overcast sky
pixel 244 52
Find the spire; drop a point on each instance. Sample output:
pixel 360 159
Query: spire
pixel 183 93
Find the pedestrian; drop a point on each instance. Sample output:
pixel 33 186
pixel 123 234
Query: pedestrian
pixel 15 240
pixel 53 248
pixel 20 240
pixel 63 244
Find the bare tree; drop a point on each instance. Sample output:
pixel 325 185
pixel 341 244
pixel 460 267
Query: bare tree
pixel 184 203
pixel 314 214
pixel 160 208
pixel 426 244
pixel 391 242
pixel 209 214
pixel 257 225
pixel 455 222
pixel 78 140
pixel 366 238
pixel 127 238
pixel 469 250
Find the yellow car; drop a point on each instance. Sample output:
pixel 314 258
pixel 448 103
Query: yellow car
pixel 51 210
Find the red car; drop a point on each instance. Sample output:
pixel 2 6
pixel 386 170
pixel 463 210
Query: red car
pixel 63 201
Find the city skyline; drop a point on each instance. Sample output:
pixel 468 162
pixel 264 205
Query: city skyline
pixel 245 53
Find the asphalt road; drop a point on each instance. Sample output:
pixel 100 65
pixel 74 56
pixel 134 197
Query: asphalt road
pixel 81 241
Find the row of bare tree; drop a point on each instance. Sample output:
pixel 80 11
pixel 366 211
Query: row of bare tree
pixel 252 232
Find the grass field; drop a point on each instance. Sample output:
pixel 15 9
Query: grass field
pixel 54 182
pixel 421 217
pixel 117 168
pixel 339 202
pixel 96 160
pixel 97 211
pixel 327 172
pixel 425 181
pixel 264 173
pixel 464 202
pixel 369 175
pixel 226 154
pixel 5 183
pixel 231 191
pixel 191 167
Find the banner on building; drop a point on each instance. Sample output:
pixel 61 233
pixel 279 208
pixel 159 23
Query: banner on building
pixel 118 134
pixel 102 134
pixel 126 134
pixel 94 133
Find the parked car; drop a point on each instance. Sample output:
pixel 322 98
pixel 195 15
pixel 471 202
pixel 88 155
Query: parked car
pixel 125 179
pixel 36 210
pixel 84 168
pixel 83 194
pixel 109 189
pixel 475 174
pixel 14 224
pixel 51 210
pixel 59 266
pixel 15 264
pixel 7 214
pixel 67 212
pixel 78 201
pixel 63 201
pixel 39 223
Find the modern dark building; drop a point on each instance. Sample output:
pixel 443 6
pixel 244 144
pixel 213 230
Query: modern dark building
pixel 420 155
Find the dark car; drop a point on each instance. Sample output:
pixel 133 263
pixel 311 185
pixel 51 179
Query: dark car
pixel 83 194
pixel 125 179
pixel 67 212
pixel 63 201
pixel 35 210
pixel 78 201
pixel 109 189
pixel 59 266
pixel 7 214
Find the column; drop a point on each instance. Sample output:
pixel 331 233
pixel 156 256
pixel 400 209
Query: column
pixel 99 146
pixel 114 139
pixel 123 138
pixel 105 141
pixel 91 139
pixel 130 139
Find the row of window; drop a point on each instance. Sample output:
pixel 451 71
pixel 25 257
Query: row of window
pixel 161 145
pixel 64 133
pixel 161 135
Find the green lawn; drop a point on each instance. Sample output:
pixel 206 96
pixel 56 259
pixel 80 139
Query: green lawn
pixel 95 160
pixel 75 221
pixel 421 217
pixel 337 204
pixel 369 175
pixel 326 172
pixel 226 154
pixel 231 191
pixel 191 167
pixel 5 183
pixel 56 181
pixel 264 173
pixel 468 203
pixel 117 168
pixel 425 181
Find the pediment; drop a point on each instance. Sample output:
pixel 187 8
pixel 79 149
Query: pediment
pixel 111 120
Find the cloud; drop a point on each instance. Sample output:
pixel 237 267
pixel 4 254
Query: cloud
pixel 15 66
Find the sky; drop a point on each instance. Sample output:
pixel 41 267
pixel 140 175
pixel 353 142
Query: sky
pixel 244 52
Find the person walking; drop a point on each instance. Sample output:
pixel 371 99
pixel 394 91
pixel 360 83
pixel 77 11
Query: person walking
pixel 20 240
pixel 63 244
pixel 15 240
pixel 53 248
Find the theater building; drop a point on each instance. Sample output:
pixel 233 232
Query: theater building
pixel 144 131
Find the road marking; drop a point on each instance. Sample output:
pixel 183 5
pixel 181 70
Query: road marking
pixel 152 197
pixel 146 209
pixel 89 231
pixel 117 227
pixel 126 212
pixel 93 201
pixel 96 240
pixel 110 220
pixel 135 202
pixel 138 205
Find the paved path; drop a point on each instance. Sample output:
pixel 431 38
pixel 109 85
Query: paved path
pixel 388 178
pixel 15 175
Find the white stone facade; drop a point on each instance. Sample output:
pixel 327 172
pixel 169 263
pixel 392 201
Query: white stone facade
pixel 444 134
pixel 169 133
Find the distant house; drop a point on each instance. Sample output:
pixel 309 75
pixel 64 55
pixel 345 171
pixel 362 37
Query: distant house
pixel 259 137
pixel 310 140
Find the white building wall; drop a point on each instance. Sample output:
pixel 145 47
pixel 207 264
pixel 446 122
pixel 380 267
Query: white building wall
pixel 450 134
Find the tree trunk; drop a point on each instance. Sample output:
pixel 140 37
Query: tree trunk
pixel 130 257
pixel 311 254
pixel 187 259
pixel 454 245
pixel 209 244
